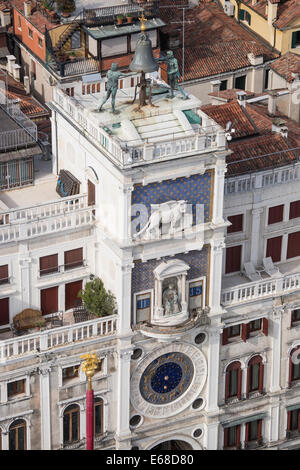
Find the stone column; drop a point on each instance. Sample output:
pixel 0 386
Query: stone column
pixel 213 370
pixel 215 275
pixel 217 214
pixel 212 436
pixel 44 372
pixel 255 235
pixel 25 281
pixel 276 334
pixel 5 441
pixel 124 297
pixel 123 433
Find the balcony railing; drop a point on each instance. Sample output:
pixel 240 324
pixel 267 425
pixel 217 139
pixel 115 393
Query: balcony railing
pixel 51 217
pixel 62 268
pixel 260 289
pixel 207 139
pixel 75 67
pixel 57 338
pixel 246 183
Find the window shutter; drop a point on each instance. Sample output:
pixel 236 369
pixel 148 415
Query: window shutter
pixel 245 331
pixel 293 248
pixel 246 432
pixel 265 327
pixel 91 193
pixel 49 300
pixel 71 292
pixel 261 377
pixel 274 248
pixel 238 436
pixel 289 420
pixel 226 437
pixel 227 385
pixel 242 14
pixel 225 336
pixel 259 429
pixel 4 273
pixel 4 311
pixel 233 259
pixel 275 214
pixel 48 264
pixel 248 380
pixel 290 369
pixel 73 258
pixel 237 223
pixel 240 376
pixel 294 210
pixel 294 39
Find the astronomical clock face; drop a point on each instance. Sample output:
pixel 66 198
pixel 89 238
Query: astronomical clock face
pixel 168 380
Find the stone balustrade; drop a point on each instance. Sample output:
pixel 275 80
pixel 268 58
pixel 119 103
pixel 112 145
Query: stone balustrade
pixel 56 338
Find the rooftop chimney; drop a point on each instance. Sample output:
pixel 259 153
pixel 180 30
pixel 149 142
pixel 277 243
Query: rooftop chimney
pixel 215 86
pixel 242 98
pixel 27 8
pixel 272 12
pixel 278 126
pixel 272 103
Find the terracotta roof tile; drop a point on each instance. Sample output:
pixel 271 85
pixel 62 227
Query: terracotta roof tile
pixel 214 42
pixel 37 19
pixel 286 65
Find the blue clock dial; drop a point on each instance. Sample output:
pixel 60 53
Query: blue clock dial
pixel 166 378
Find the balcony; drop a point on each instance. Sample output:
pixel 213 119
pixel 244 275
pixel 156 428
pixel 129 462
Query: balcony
pixel 237 290
pixel 44 219
pixel 56 338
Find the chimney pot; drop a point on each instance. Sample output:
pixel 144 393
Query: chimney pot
pixel 272 103
pixel 27 8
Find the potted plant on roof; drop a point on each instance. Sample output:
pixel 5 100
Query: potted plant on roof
pixel 120 19
pixel 129 17
pixel 97 300
pixel 66 7
pixel 38 324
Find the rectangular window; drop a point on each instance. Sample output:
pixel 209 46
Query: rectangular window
pixel 234 331
pixel 223 85
pixel 15 388
pixel 19 22
pixel 233 382
pixel 4 279
pixel 295 39
pixel 73 258
pixel 4 311
pixel 274 248
pixel 295 317
pixel 143 307
pixel 233 259
pixel 294 210
pixel 253 431
pixel 49 300
pixel 267 74
pixel 48 264
pixel 98 417
pixel 275 214
pixel 293 248
pixel 71 294
pixel 30 33
pixel 293 420
pixel 69 373
pixel 232 437
pixel 195 295
pixel 40 42
pixel 240 82
pixel 255 325
pixel 237 223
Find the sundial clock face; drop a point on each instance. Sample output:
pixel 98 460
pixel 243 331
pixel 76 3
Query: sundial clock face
pixel 168 380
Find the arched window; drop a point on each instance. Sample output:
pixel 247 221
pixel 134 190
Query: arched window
pixel 233 385
pixel 294 369
pixel 98 416
pixel 71 425
pixel 255 375
pixel 17 435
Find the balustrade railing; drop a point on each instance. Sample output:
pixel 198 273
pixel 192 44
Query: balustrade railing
pixel 259 289
pixel 204 140
pixel 67 213
pixel 57 337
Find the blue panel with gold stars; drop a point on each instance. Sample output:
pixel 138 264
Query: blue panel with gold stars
pixel 166 378
pixel 195 189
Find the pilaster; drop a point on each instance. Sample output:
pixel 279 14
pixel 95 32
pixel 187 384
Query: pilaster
pixel 44 372
pixel 255 235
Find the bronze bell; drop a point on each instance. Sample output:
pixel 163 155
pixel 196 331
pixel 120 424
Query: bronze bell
pixel 143 60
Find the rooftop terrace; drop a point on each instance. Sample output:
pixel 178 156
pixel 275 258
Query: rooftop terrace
pixel 168 128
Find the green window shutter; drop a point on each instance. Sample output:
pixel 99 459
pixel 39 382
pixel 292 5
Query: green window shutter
pixel 294 39
pixel 242 14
